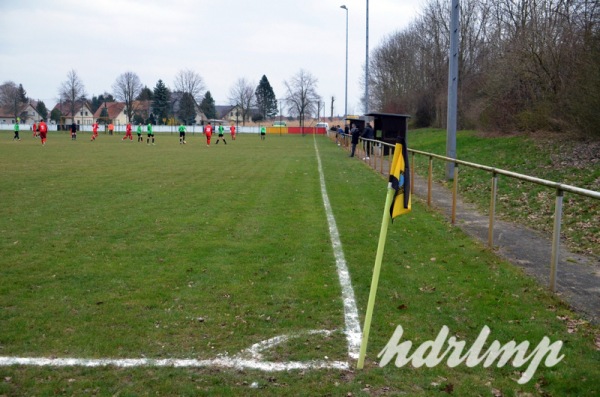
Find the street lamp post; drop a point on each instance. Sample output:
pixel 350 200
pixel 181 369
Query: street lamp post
pixel 346 92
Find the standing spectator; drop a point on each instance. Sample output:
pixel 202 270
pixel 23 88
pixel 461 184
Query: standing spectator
pixel 94 131
pixel 111 128
pixel 16 137
pixel 338 134
pixel 208 132
pixel 150 134
pixel 232 130
pixel 43 130
pixel 346 134
pixel 355 132
pixel 128 133
pixel 182 134
pixel 139 133
pixel 368 133
pixel 221 131
pixel 73 131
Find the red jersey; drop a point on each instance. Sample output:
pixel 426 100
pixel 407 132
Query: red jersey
pixel 232 129
pixel 128 128
pixel 43 127
pixel 95 127
pixel 208 129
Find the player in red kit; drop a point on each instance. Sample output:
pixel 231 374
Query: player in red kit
pixel 43 130
pixel 128 133
pixel 232 130
pixel 208 131
pixel 94 131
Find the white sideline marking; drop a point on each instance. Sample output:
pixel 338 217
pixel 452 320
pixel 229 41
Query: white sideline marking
pixel 353 330
pixel 223 362
pixel 252 357
pixel 239 361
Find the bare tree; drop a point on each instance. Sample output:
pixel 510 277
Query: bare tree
pixel 189 82
pixel 242 95
pixel 72 91
pixel 126 88
pixel 10 98
pixel 302 98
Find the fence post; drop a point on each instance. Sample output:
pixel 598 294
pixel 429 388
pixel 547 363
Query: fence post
pixel 412 172
pixel 454 193
pixel 492 209
pixel 556 238
pixel 381 158
pixel 429 181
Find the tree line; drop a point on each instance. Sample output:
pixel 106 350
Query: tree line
pixel 523 65
pixel 253 102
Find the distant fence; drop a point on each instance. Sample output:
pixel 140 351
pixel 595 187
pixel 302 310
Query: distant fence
pixel 191 129
pixel 378 160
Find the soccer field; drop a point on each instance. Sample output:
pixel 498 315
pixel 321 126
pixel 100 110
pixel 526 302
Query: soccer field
pixel 186 269
pixel 125 250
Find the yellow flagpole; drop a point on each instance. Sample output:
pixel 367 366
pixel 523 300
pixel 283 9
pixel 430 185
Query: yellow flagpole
pixel 376 270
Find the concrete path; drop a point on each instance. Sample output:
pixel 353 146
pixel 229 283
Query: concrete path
pixel 578 277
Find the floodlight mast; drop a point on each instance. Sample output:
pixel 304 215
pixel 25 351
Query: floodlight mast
pixel 346 90
pixel 452 89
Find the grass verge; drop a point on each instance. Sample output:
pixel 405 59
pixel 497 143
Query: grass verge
pixel 555 158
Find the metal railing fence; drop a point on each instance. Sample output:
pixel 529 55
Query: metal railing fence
pixel 377 159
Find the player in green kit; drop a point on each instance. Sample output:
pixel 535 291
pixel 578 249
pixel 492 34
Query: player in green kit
pixel 150 134
pixel 221 130
pixel 139 133
pixel 182 134
pixel 16 137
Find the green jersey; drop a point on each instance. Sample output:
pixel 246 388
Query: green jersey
pixel 181 128
pixel 221 129
pixel 139 130
pixel 16 127
pixel 150 129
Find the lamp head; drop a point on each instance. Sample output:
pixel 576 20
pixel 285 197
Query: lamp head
pixel 344 7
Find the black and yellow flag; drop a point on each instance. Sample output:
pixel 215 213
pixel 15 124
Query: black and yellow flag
pixel 400 180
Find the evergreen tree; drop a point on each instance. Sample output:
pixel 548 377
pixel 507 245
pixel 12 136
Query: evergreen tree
pixel 94 103
pixel 187 108
pixel 97 101
pixel 145 95
pixel 22 94
pixel 55 115
pixel 265 99
pixel 42 109
pixel 208 106
pixel 106 97
pixel 162 100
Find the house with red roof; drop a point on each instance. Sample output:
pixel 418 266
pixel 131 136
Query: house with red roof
pixel 82 115
pixel 27 113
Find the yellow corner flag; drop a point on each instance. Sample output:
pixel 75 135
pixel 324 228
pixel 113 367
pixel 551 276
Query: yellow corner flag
pixel 397 203
pixel 400 180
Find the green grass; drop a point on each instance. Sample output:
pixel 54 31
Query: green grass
pixel 116 249
pixel 558 159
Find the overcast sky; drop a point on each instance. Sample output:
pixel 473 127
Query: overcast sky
pixel 221 40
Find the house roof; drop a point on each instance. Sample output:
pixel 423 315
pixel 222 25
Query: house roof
pixel 142 106
pixel 6 112
pixel 65 107
pixel 114 109
pixel 222 110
